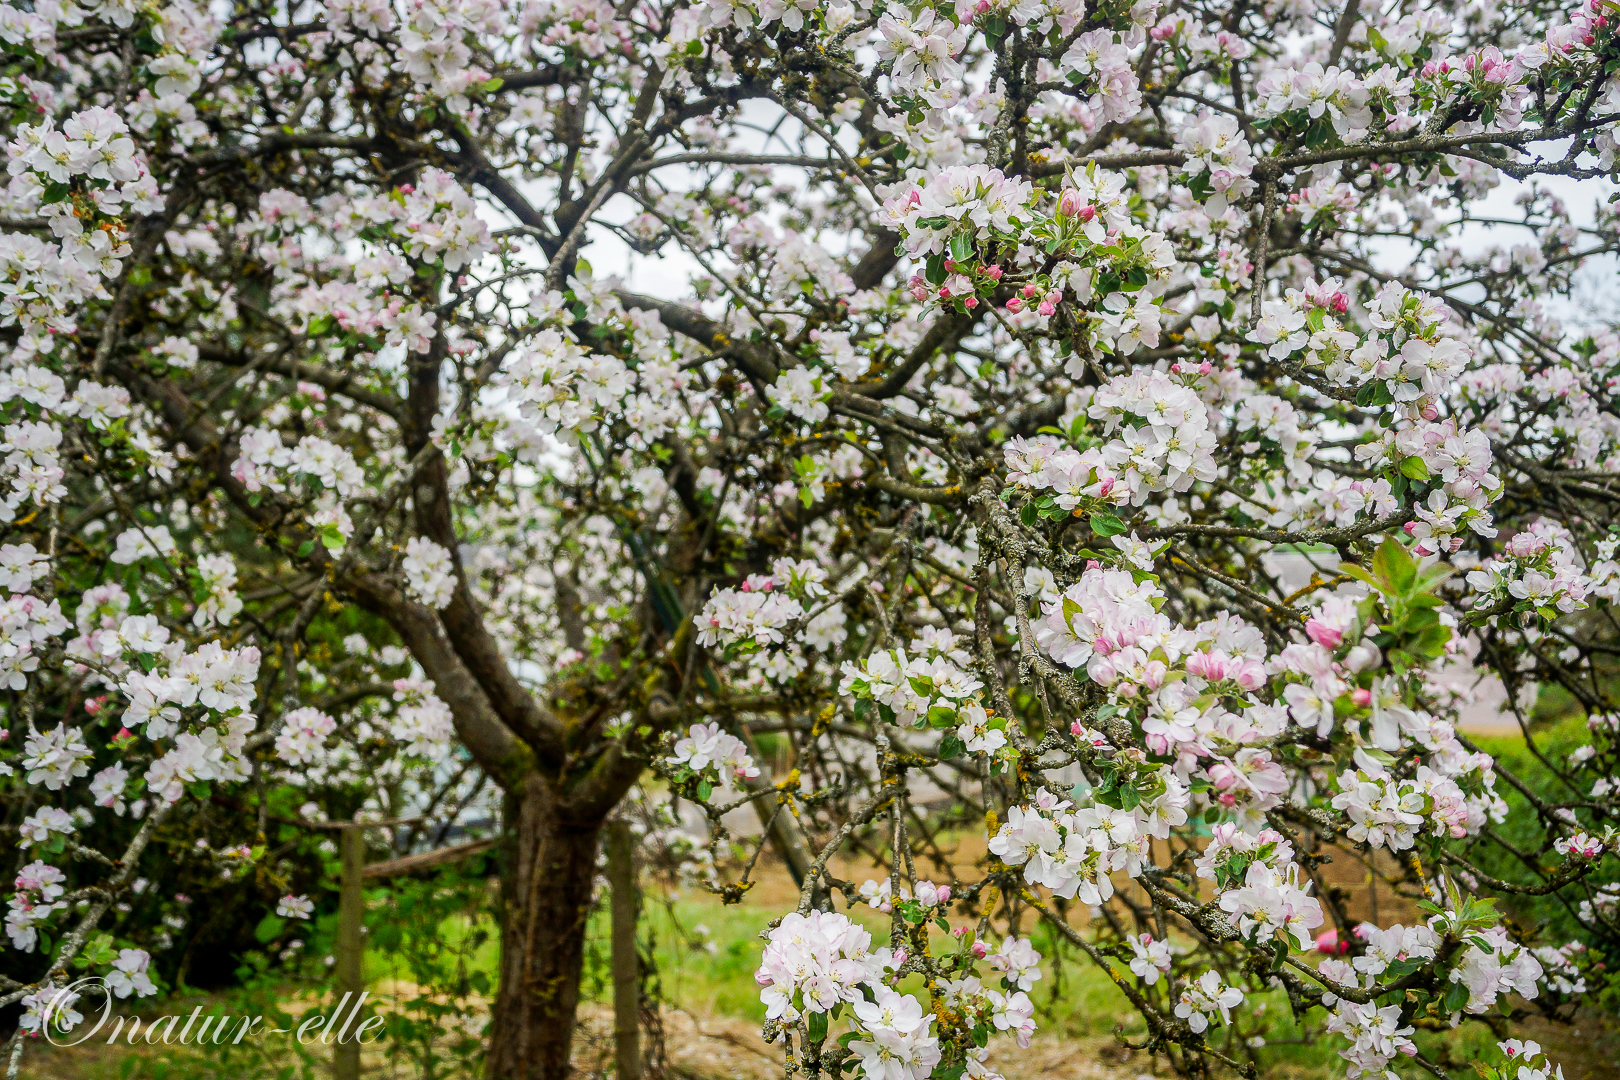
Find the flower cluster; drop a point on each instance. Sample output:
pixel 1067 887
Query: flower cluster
pixel 756 613
pixel 429 571
pixel 1537 571
pixel 422 722
pixel 712 755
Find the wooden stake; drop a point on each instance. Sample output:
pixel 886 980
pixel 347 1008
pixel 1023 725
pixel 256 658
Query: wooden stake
pixel 626 981
pixel 350 950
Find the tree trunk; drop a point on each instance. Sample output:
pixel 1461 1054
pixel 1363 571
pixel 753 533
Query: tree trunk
pixel 549 864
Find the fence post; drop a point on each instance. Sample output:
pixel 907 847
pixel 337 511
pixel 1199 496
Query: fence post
pixel 350 949
pixel 626 983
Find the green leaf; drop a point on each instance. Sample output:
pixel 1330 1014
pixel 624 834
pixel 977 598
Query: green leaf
pixel 305 548
pixel 1394 566
pixel 1106 525
pixel 951 747
pixel 99 950
pixel 1026 514
pixel 1414 468
pixel 816 1024
pixel 704 790
pixel 269 929
pixel 1456 997
pixel 941 716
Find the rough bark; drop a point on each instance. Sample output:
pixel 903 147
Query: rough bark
pixel 549 865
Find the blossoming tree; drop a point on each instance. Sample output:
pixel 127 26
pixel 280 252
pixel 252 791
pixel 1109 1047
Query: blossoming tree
pixel 999 353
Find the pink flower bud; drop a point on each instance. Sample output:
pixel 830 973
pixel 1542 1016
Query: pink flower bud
pixel 1030 292
pixel 981 7
pixel 944 293
pixel 1076 728
pixel 978 950
pixel 1046 308
pixel 993 272
pixel 1430 412
pixel 1250 675
pixel 900 957
pixel 919 293
pixel 944 893
pixel 971 302
pixel 1015 305
pixel 1069 203
pixel 1361 696
pixel 959 933
pixel 1086 214
pixel 1324 635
